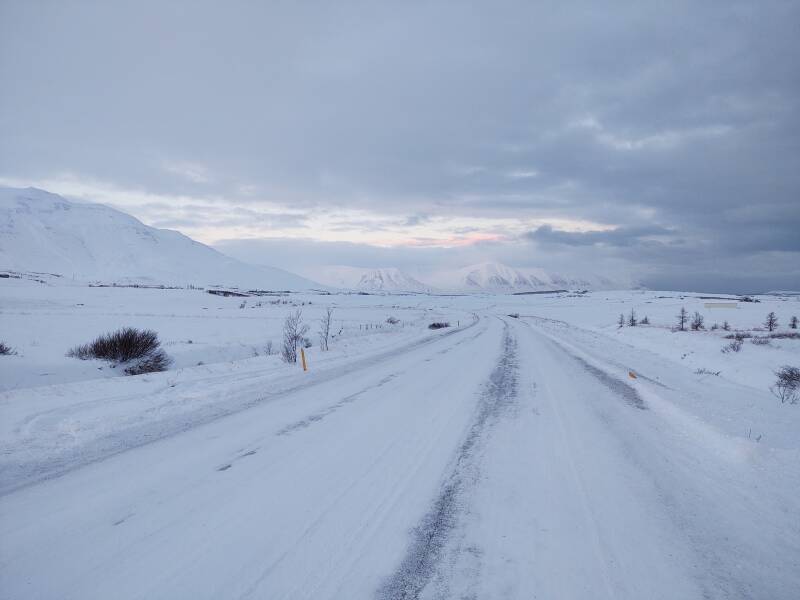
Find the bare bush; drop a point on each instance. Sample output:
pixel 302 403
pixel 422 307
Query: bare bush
pixel 760 341
pixel 152 363
pixel 632 322
pixel 785 335
pixel 793 323
pixel 734 346
pixel 704 371
pixel 139 349
pixel 325 329
pixel 268 348
pixel 439 325
pixel 121 346
pixel 645 321
pixel 6 350
pixel 621 321
pixel 697 322
pixel 787 387
pixel 293 333
pixel 683 317
pixel 738 336
pixel 771 322
pixel 726 326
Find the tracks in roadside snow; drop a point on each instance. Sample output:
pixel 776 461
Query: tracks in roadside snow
pixel 23 473
pixel 430 536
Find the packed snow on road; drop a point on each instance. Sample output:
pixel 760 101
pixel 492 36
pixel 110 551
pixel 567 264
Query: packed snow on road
pixel 561 445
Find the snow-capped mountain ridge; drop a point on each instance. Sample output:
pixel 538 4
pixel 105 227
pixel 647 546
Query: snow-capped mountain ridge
pixel 493 277
pixel 390 279
pixel 386 279
pixel 44 232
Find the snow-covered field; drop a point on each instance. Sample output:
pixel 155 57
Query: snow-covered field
pixel 549 455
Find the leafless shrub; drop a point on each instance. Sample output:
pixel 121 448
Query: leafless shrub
pixel 784 335
pixel 121 346
pixel 704 371
pixel 6 350
pixel 645 321
pixel 697 322
pixel 151 363
pixel 683 317
pixel 726 326
pixel 771 322
pixel 793 323
pixel 268 349
pixel 734 346
pixel 787 387
pixel 632 322
pixel 739 335
pixel 325 329
pixel 439 325
pixel 139 349
pixel 760 341
pixel 293 333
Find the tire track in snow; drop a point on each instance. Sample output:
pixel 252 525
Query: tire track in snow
pixel 23 472
pixel 430 536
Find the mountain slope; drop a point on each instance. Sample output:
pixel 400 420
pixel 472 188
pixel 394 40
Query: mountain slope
pixel 44 232
pixel 492 277
pixel 389 279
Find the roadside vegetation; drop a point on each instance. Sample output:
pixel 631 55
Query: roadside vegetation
pixel 139 350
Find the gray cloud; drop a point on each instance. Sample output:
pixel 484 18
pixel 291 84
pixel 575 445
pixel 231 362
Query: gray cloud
pixel 621 236
pixel 676 124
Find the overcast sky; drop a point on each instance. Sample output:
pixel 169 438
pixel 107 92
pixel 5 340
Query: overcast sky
pixel 658 140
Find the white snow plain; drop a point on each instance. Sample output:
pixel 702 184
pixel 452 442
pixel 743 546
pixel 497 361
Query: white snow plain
pixel 549 455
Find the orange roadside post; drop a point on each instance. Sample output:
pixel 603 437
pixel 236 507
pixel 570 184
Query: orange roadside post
pixel 303 357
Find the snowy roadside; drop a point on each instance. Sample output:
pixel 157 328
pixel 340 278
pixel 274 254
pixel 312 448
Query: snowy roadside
pixel 48 430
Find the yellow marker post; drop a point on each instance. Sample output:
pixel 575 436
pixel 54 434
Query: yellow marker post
pixel 303 357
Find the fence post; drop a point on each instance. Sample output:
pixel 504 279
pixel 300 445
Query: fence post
pixel 303 357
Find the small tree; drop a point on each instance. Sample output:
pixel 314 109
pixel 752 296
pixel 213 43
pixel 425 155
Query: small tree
pixel 683 317
pixel 793 323
pixel 293 332
pixel 621 321
pixel 772 321
pixel 697 321
pixel 726 326
pixel 787 386
pixel 325 329
pixel 632 319
pixel 645 321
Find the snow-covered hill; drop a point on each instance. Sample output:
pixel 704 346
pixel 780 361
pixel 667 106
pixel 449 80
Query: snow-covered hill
pixel 492 277
pixel 388 279
pixel 487 277
pixel 43 232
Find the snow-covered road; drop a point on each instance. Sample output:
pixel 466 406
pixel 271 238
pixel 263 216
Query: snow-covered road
pixel 495 462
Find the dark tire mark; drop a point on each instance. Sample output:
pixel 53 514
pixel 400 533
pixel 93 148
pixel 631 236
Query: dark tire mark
pixel 628 392
pixel 430 536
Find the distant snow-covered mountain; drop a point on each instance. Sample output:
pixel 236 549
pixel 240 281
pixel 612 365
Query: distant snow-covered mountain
pixel 388 279
pixel 487 277
pixel 43 232
pixel 497 278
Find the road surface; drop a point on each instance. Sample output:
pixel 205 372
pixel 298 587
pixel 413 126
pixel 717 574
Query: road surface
pixel 494 462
